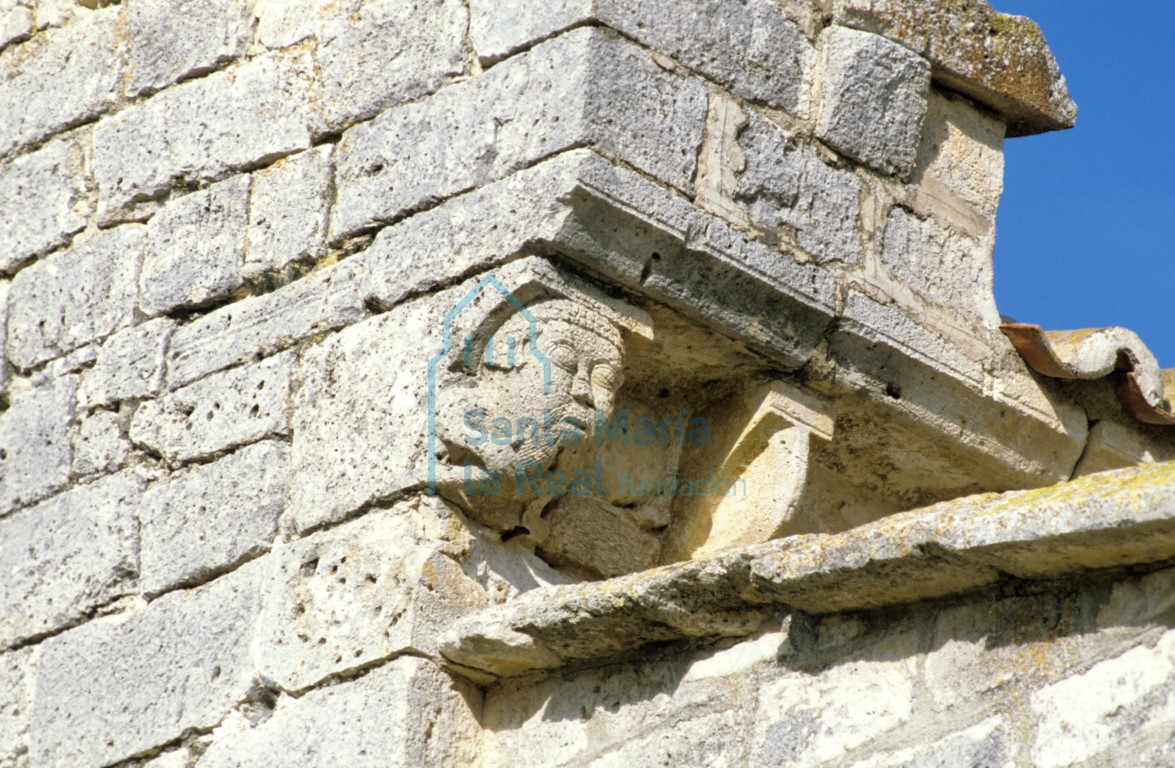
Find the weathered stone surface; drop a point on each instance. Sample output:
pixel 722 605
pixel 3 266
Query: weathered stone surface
pixel 805 721
pixel 42 201
pixel 580 88
pixel 874 99
pixel 750 47
pixel 83 61
pixel 166 44
pixel 5 369
pixel 129 365
pixel 1085 715
pixel 209 518
pixel 384 54
pixel 552 626
pixel 261 325
pixel 999 60
pixel 34 443
pixel 288 212
pixel 74 297
pixel 948 269
pixel 215 414
pixel 785 184
pixel 1100 521
pixel 385 584
pixel 16 21
pixel 202 130
pixel 176 758
pixel 66 556
pixel 99 692
pixel 961 153
pixel 405 713
pixel 17 672
pixel 196 248
pixel 984 744
pixel 100 445
pixel 580 204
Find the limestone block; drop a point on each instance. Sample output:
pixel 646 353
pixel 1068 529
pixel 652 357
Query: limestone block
pixel 196 248
pixel 806 720
pixel 34 443
pixel 1087 714
pixel 874 99
pixel 167 42
pixel 785 184
pixel 176 758
pixel 962 152
pixel 260 325
pixel 385 53
pixel 56 13
pixel 202 130
pixel 74 297
pixel 67 556
pixel 5 373
pixel 229 409
pixel 580 88
pixel 405 713
pixel 128 365
pixel 987 743
pixel 383 585
pixel 750 47
pixel 100 445
pixel 946 268
pixel 119 686
pixel 580 204
pixel 16 21
pixel 288 209
pixel 1000 60
pixel 17 672
pixel 84 62
pixel 42 201
pixel 209 518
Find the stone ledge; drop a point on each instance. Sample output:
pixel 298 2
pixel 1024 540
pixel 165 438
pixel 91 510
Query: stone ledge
pixel 1108 520
pixel 999 60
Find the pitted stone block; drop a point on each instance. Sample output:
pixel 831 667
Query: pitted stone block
pixel 42 201
pixel 35 452
pixel 874 99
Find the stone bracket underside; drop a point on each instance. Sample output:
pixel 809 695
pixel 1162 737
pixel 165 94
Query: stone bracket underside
pixel 1145 390
pixel 1115 519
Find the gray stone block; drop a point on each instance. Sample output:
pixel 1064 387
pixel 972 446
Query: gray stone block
pixel 119 686
pixel 42 202
pixel 385 53
pixel 128 365
pixel 196 248
pixel 100 445
pixel 874 99
pixel 209 518
pixel 35 452
pixel 288 212
pixel 406 713
pixel 580 88
pixel 67 556
pixel 17 672
pixel 84 62
pixel 5 371
pixel 342 599
pixel 166 43
pixel 223 411
pixel 230 120
pixel 945 268
pixel 261 325
pixel 74 297
pixel 785 184
pixel 750 47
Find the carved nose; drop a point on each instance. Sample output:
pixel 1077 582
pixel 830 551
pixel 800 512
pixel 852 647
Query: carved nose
pixel 581 387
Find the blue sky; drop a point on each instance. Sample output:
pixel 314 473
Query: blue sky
pixel 1086 232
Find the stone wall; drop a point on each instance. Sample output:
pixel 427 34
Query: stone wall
pixel 230 234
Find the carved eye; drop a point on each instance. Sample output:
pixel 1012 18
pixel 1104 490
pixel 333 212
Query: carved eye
pixel 607 376
pixel 563 355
